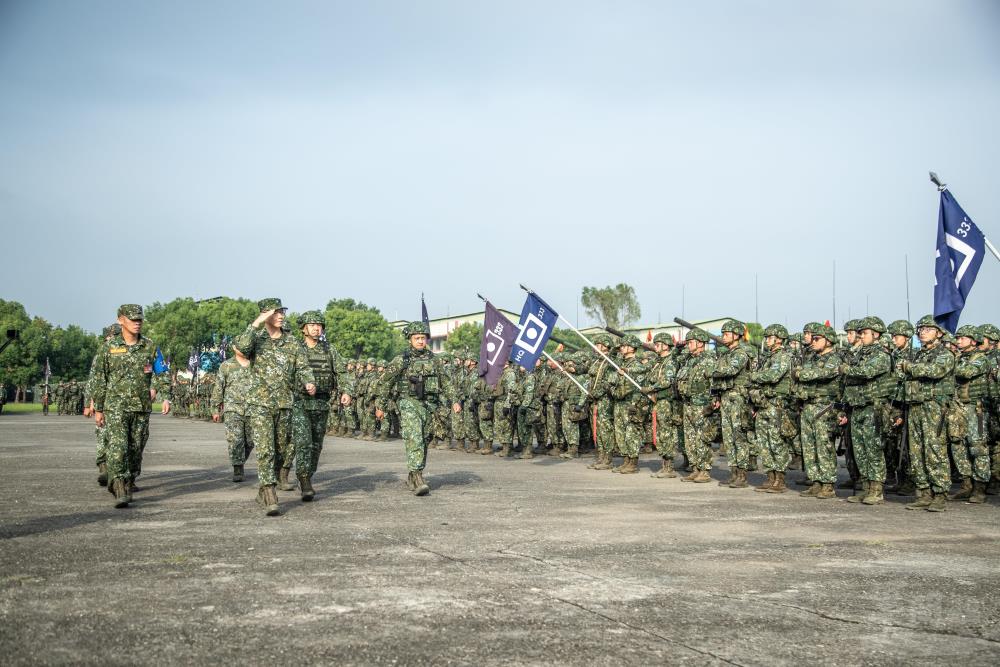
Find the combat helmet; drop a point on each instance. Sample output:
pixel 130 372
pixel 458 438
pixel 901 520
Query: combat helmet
pixel 970 331
pixel 797 337
pixel 697 334
pixel 733 326
pixel 414 328
pixel 631 340
pixel 929 321
pixel 900 328
pixel 989 331
pixel 664 337
pixel 872 322
pixel 778 330
pixel 311 317
pixel 852 325
pixel 811 328
pixel 827 332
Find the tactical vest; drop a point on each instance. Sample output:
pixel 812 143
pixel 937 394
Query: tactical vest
pixel 419 377
pixel 865 391
pixel 694 381
pixel 921 390
pixel 319 360
pixel 969 390
pixel 827 389
pixel 783 387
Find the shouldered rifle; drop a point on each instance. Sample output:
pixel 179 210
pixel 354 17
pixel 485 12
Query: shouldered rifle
pixel 685 323
pixel 621 334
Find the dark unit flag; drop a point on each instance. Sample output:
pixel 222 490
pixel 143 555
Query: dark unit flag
pixel 498 338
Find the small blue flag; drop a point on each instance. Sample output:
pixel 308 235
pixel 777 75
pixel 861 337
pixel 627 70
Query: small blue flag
pixel 538 319
pixel 960 249
pixel 159 365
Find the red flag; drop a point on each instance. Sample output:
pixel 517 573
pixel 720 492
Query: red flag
pixel 827 323
pixel 649 336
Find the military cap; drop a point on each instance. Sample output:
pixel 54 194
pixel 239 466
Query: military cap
pixel 631 340
pixel 132 311
pixel 777 330
pixel 811 327
pixel 872 322
pixel 797 336
pixel 900 328
pixel 733 326
pixel 380 363
pixel 106 331
pixel 989 331
pixel 826 331
pixel 270 304
pixel 311 317
pixel 970 331
pixel 371 361
pixel 697 334
pixel 417 327
pixel 851 325
pixel 929 321
pixel 664 337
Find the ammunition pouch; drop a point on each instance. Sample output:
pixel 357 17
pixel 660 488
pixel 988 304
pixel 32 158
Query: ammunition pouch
pixel 486 411
pixel 417 387
pixel 958 427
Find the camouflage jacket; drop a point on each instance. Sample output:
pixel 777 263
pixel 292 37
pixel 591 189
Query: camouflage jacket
pixel 694 378
pixel 124 376
pixel 930 375
pixel 323 361
pixel 972 376
pixel 279 366
pixel 773 378
pixel 733 367
pixel 232 384
pixel 867 376
pixel 819 377
pixel 415 375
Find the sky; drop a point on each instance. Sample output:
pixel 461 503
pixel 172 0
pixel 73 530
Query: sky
pixel 379 150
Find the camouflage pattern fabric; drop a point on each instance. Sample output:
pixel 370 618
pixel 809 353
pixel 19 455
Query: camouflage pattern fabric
pixel 774 443
pixel 630 407
pixel 238 440
pixel 694 385
pixel 270 429
pixel 929 388
pixel 505 406
pixel 730 378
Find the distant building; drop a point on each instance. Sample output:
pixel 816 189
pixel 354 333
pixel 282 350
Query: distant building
pixel 442 326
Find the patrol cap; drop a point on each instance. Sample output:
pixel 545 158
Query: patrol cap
pixel 777 330
pixel 132 311
pixel 733 326
pixel 929 321
pixel 989 331
pixel 311 317
pixel 872 322
pixel 697 334
pixel 900 328
pixel 970 331
pixel 272 303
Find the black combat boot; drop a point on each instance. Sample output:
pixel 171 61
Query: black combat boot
pixel 238 473
pixel 306 487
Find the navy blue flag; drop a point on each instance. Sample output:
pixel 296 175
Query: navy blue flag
pixel 499 334
pixel 960 249
pixel 194 360
pixel 159 365
pixel 423 312
pixel 536 324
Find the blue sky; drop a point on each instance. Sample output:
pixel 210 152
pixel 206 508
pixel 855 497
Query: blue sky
pixel 378 150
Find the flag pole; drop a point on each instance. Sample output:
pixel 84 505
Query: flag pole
pixel 606 357
pixel 549 357
pixel 944 186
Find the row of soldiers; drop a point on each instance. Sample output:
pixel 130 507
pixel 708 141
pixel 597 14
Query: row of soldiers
pixel 915 417
pixel 68 397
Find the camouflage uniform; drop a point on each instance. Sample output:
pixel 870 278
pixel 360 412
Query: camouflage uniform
pixel 896 455
pixel 991 338
pixel 630 405
pixel 574 403
pixel 553 412
pixel 278 367
pixel 601 377
pixel 662 385
pixel 774 383
pixel 233 384
pixel 470 409
pixel 730 381
pixel 694 383
pixel 529 412
pixel 868 385
pixel 930 387
pixel 819 388
pixel 967 432
pixel 416 382
pixel 457 419
pixel 121 389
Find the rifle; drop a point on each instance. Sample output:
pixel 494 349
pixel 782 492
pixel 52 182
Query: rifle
pixel 716 339
pixel 621 334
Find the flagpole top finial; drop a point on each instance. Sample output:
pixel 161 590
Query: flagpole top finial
pixel 936 180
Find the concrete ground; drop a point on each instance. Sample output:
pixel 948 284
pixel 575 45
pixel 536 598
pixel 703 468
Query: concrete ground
pixel 506 562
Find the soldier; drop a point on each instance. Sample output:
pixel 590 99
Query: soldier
pixel 630 405
pixel 415 380
pixel 279 366
pixel 930 387
pixel 123 397
pixel 894 420
pixel 458 389
pixel 553 406
pixel 694 384
pixel 730 383
pixel 601 377
pixel 819 386
pixel 506 401
pixel 574 403
pixel 848 354
pixel 100 432
pixel 529 412
pixel 991 339
pixel 868 386
pixel 347 383
pixel 662 388
pixel 773 380
pixel 311 410
pixel 967 427
pixel 229 395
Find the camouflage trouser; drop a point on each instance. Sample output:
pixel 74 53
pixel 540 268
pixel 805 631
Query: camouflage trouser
pixel 735 416
pixel 892 441
pixel 774 448
pixel 969 449
pixel 866 434
pixel 345 418
pixel 503 424
pixel 667 432
pixel 527 419
pixel 270 432
pixel 571 429
pixel 441 422
pixel 629 433
pixel 101 434
pixel 127 433
pixel 458 424
pixel 553 426
pixel 819 443
pixel 696 440
pixel 366 417
pixel 470 422
pixel 238 438
pixel 605 424
pixel 928 448
pixel 308 431
pixel 993 435
pixel 415 426
pixel 486 423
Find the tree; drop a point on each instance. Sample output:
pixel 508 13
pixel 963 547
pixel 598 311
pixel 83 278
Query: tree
pixel 468 336
pixel 358 330
pixel 567 336
pixel 612 306
pixel 184 324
